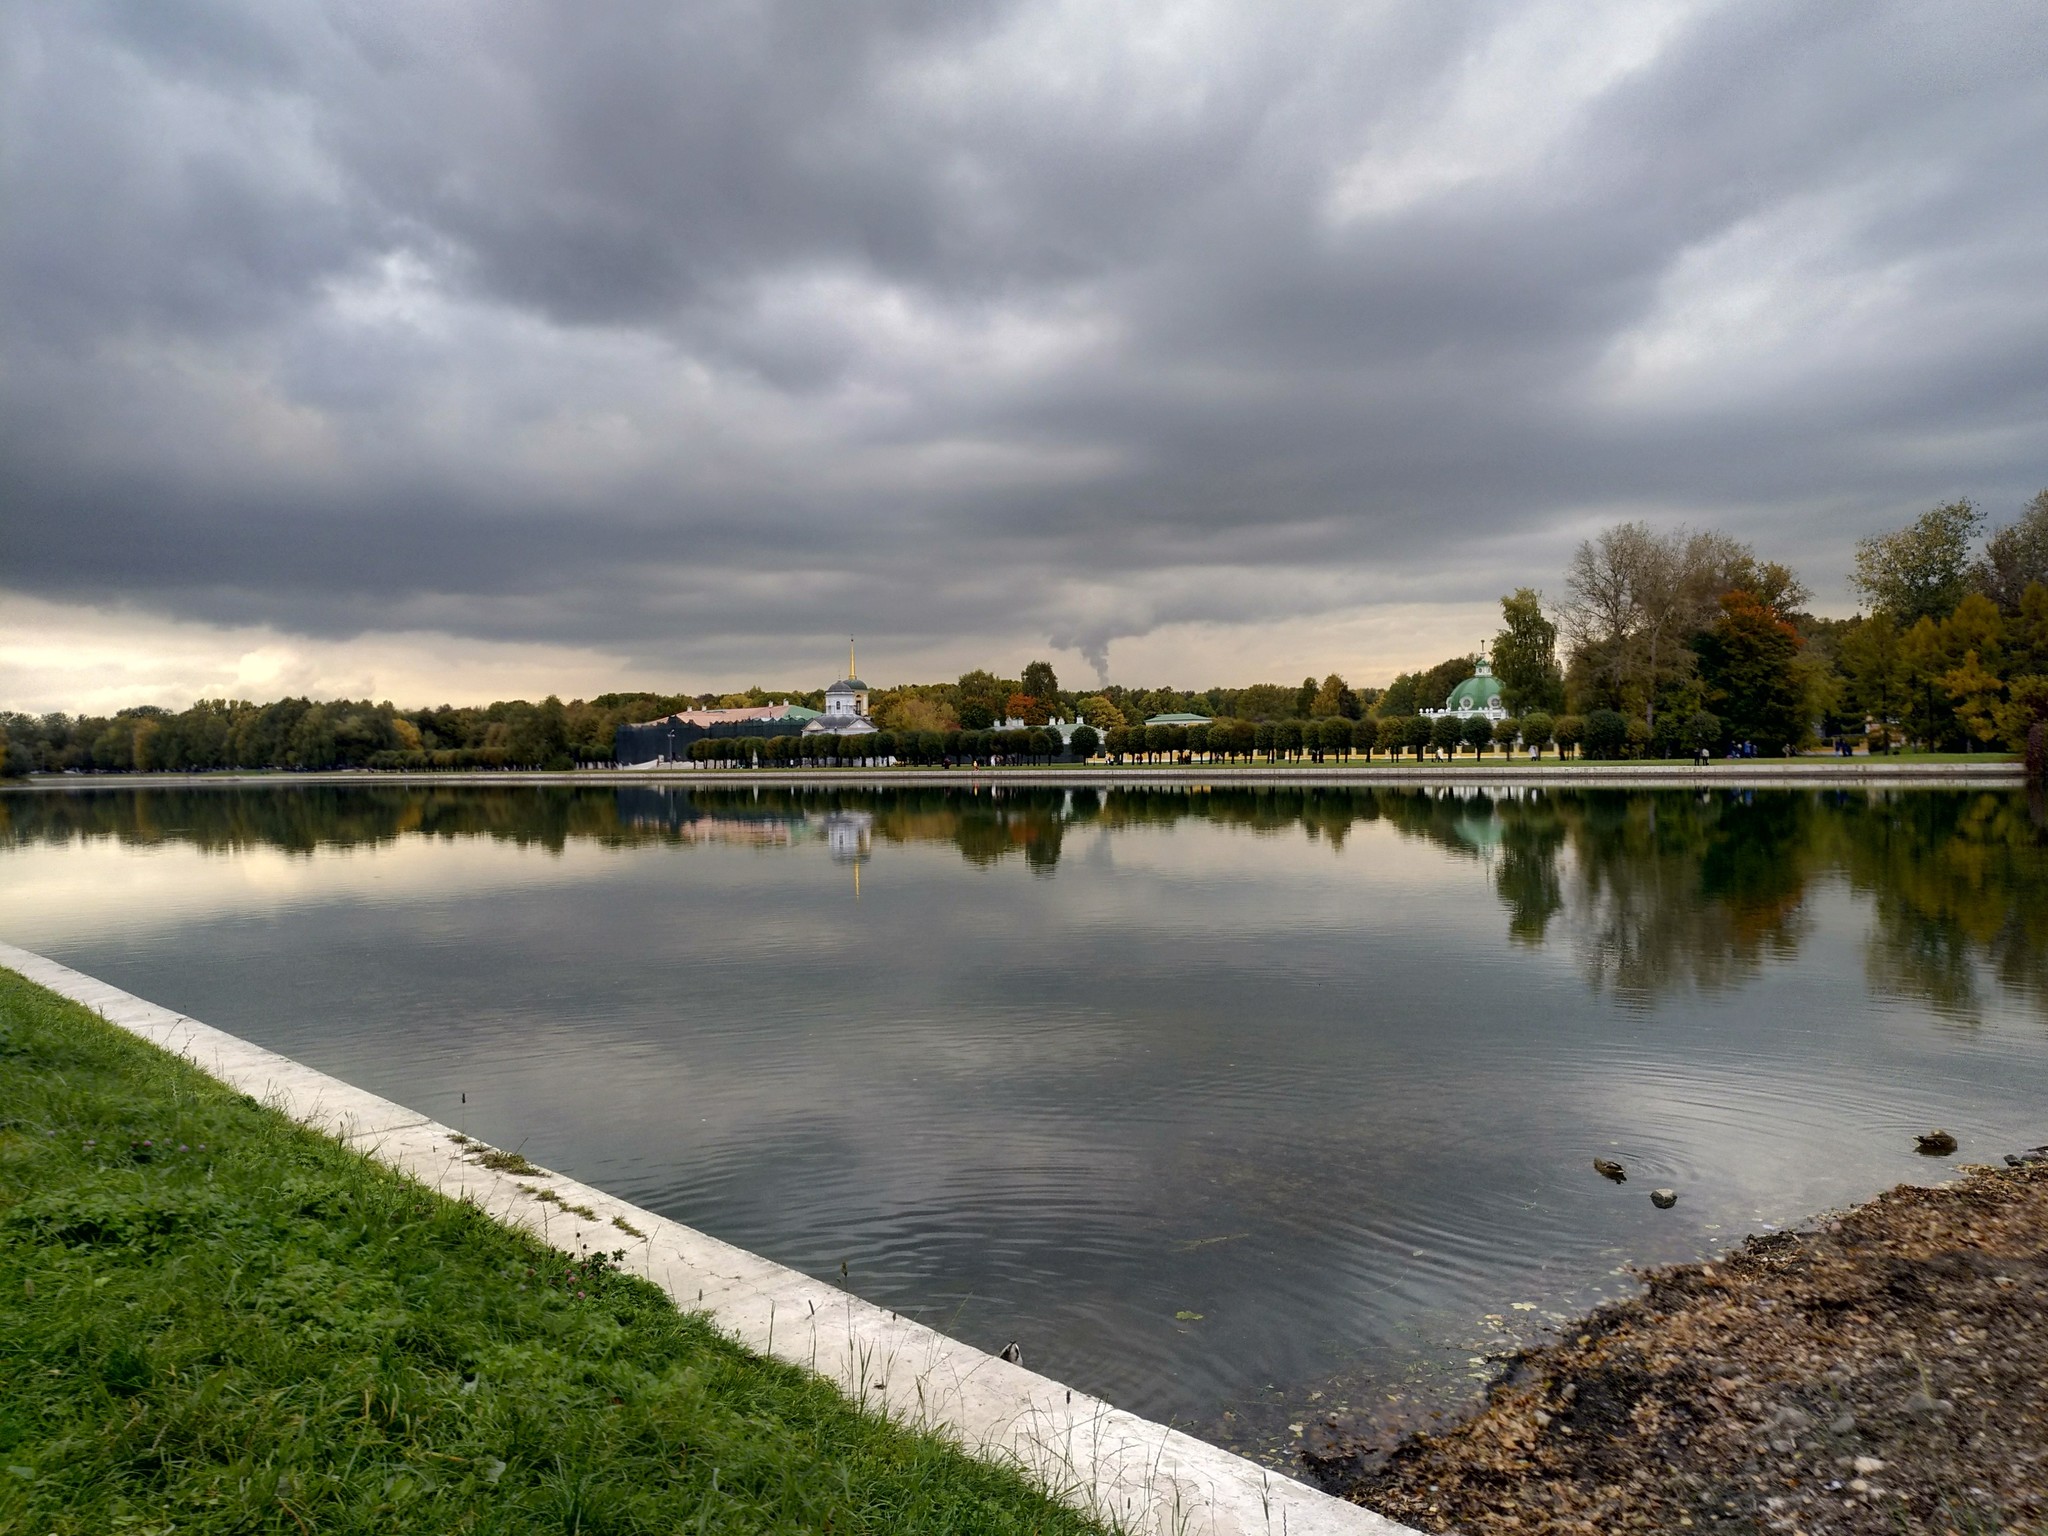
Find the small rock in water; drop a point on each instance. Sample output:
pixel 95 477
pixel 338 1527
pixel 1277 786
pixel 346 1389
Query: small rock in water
pixel 1608 1168
pixel 1663 1199
pixel 1935 1143
pixel 2031 1155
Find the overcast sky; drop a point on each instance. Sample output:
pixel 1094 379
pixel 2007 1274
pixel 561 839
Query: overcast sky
pixel 434 350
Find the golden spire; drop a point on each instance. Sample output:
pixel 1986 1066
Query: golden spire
pixel 851 669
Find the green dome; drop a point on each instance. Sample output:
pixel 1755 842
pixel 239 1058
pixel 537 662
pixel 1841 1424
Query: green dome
pixel 1477 693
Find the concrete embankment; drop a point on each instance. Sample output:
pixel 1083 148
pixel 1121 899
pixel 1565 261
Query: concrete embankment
pixel 1792 773
pixel 1141 1476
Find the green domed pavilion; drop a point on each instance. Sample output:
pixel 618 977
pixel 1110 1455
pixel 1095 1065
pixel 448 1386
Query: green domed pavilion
pixel 1479 694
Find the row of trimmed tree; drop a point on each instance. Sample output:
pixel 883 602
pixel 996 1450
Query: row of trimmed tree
pixel 924 748
pixel 1604 734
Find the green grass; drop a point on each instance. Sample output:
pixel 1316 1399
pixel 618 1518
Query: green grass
pixel 213 1320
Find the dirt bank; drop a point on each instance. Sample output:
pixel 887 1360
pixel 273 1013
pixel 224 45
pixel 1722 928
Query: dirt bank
pixel 1885 1371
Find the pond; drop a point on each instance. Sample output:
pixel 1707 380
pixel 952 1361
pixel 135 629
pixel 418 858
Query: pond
pixel 1247 1109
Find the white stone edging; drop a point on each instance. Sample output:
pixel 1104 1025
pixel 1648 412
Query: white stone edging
pixel 1115 1466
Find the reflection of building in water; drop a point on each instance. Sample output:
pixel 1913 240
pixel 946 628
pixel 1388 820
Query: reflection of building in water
pixel 674 811
pixel 752 834
pixel 1473 818
pixel 850 835
pixel 646 808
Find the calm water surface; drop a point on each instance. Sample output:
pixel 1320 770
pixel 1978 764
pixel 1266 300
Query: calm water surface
pixel 1241 1108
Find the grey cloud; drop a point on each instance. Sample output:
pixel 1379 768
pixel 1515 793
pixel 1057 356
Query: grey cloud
pixel 738 323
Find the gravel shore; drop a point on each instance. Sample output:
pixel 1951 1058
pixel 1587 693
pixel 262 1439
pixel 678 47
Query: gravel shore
pixel 1886 1371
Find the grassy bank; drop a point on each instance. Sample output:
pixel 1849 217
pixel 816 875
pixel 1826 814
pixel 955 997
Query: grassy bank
pixel 212 1320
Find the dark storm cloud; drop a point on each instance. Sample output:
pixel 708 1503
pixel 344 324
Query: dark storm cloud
pixel 746 321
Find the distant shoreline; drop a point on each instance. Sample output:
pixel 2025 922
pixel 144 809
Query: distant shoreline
pixel 1750 773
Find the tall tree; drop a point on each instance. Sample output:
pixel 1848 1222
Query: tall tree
pixel 982 697
pixel 1636 598
pixel 2015 557
pixel 1748 663
pixel 1525 655
pixel 1928 714
pixel 1922 570
pixel 1264 701
pixel 1041 683
pixel 1100 713
pixel 1433 688
pixel 2025 709
pixel 1334 699
pixel 1774 585
pixel 1399 699
pixel 1978 695
pixel 1946 663
pixel 2026 635
pixel 1874 667
pixel 1028 707
pixel 906 711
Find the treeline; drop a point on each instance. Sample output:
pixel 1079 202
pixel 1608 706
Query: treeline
pixel 1690 638
pixel 905 746
pixel 1222 740
pixel 1661 645
pixel 1322 739
pixel 979 700
pixel 341 733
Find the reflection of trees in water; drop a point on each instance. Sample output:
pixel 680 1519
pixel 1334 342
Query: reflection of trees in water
pixel 1959 885
pixel 301 819
pixel 1670 891
pixel 1657 890
pixel 1527 875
